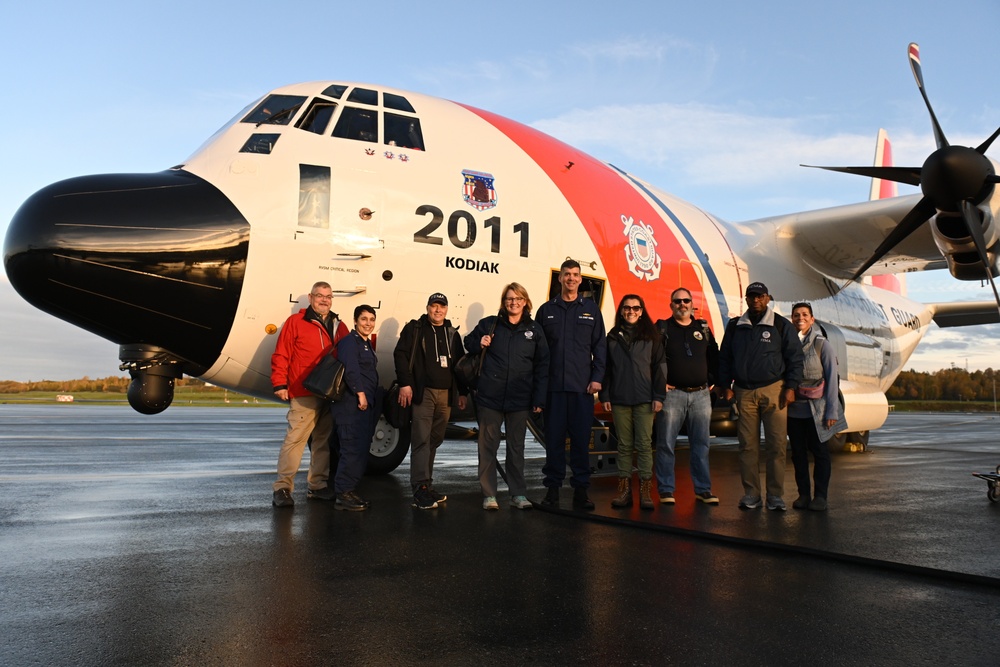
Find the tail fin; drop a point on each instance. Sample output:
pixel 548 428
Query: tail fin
pixel 883 158
pixel 882 189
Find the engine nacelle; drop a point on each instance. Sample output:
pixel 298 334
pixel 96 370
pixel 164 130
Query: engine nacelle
pixel 958 248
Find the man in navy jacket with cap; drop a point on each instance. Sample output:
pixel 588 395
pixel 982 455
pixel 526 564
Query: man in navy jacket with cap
pixel 761 358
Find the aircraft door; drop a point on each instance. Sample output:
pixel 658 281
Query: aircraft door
pixel 343 245
pixel 592 287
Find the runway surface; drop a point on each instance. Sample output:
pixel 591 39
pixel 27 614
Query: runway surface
pixel 135 540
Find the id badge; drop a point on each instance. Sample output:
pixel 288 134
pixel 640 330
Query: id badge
pixel 444 360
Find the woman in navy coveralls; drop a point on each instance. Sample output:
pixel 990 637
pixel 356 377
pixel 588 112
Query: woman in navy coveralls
pixel 358 411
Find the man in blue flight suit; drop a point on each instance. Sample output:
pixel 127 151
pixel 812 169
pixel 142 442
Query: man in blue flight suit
pixel 574 330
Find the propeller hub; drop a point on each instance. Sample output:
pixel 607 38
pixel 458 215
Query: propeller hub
pixel 954 174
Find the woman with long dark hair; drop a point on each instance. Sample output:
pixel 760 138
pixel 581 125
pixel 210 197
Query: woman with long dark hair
pixel 633 391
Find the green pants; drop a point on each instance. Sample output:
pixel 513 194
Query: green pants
pixel 634 424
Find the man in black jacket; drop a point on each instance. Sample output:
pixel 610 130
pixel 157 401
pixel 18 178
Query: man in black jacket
pixel 425 359
pixel 692 357
pixel 762 358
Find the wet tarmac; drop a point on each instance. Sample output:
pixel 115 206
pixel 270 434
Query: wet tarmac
pixel 134 540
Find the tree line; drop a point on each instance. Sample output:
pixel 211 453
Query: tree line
pixel 949 384
pixel 113 384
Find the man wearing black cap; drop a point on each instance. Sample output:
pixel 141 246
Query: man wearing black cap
pixel 425 359
pixel 762 359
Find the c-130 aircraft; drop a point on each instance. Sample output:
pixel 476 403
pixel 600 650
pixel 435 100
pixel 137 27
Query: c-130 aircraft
pixel 391 195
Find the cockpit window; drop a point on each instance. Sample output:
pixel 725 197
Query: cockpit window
pixel 336 91
pixel 275 110
pixel 403 131
pixel 260 143
pixel 364 96
pixel 317 116
pixel 357 123
pixel 397 102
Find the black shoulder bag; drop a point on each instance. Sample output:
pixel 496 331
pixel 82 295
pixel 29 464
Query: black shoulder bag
pixel 469 367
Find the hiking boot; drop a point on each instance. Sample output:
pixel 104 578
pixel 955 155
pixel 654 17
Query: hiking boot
pixel 818 504
pixel 351 502
pixel 667 498
pixel 706 497
pixel 580 499
pixel 749 502
pixel 776 504
pixel 521 503
pixel 646 494
pixel 490 503
pixel 800 503
pixel 422 498
pixel 551 498
pixel 438 497
pixel 282 498
pixel 624 497
pixel 326 493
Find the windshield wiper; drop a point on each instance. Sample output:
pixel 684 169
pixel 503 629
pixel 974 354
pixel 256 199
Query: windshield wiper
pixel 279 115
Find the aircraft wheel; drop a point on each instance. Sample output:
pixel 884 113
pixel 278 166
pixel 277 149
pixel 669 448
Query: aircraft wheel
pixel 857 441
pixel 389 447
pixel 838 443
pixel 993 493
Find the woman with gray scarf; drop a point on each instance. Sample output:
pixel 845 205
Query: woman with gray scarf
pixel 816 415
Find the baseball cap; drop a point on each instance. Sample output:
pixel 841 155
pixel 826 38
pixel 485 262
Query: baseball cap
pixel 756 288
pixel 437 297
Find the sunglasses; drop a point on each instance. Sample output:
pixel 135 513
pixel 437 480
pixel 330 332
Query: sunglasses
pixel 680 301
pixel 634 309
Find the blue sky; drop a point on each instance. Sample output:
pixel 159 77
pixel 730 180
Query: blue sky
pixel 718 104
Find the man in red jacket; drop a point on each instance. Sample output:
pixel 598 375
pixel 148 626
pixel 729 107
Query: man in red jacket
pixel 305 337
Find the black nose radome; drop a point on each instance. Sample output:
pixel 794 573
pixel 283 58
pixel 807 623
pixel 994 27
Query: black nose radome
pixel 144 259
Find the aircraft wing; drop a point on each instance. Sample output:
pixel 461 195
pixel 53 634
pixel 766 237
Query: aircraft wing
pixel 838 241
pixel 965 314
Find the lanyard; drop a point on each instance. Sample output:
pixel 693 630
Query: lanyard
pixel 447 343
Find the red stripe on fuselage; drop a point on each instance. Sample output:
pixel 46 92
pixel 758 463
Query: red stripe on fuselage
pixel 600 196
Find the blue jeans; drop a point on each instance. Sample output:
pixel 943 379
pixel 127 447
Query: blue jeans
pixel 694 409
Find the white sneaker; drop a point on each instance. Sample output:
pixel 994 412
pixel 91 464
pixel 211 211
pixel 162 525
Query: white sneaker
pixel 490 503
pixel 520 502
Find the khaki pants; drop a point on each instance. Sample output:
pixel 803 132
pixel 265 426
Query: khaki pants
pixel 307 415
pixel 760 406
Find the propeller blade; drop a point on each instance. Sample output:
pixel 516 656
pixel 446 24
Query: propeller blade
pixel 976 232
pixel 914 52
pixel 907 175
pixel 986 144
pixel 917 216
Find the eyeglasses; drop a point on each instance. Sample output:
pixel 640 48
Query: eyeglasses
pixel 633 309
pixel 324 297
pixel 514 299
pixel 680 301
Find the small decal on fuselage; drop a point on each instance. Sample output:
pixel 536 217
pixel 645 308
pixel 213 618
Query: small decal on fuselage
pixel 478 190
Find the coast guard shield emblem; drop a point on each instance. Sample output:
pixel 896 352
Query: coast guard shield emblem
pixel 477 190
pixel 640 251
